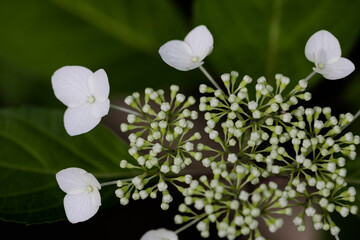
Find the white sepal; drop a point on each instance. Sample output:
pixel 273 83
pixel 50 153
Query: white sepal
pixel 70 85
pixel 200 41
pixel 159 234
pixel 85 94
pixel 324 50
pixel 83 198
pixel 80 120
pixel 190 53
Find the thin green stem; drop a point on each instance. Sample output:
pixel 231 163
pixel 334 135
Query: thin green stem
pixel 310 76
pixel 189 224
pixel 209 77
pixel 115 182
pixel 125 110
pixel 108 183
pixel 355 117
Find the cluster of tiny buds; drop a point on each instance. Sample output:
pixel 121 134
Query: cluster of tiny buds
pixel 161 140
pixel 137 189
pixel 160 133
pixel 237 99
pixel 318 157
pixel 257 139
pixel 209 196
pixel 240 111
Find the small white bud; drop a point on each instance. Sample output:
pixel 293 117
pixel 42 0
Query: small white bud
pixel 202 88
pixel 162 186
pixel 287 117
pixel 180 97
pixel 129 100
pixel 252 105
pixel 278 98
pixel 214 102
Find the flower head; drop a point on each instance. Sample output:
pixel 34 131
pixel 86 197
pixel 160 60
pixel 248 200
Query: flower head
pixel 159 234
pixel 190 53
pixel 82 198
pixel 324 50
pixel 85 94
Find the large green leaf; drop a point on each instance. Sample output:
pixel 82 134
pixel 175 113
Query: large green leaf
pixel 140 24
pixel 34 147
pixel 263 37
pixel 122 37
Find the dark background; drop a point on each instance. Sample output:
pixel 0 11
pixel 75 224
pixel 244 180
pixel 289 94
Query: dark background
pixel 23 84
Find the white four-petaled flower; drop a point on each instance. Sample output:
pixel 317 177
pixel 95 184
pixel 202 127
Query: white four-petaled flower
pixel 324 50
pixel 159 234
pixel 82 199
pixel 85 94
pixel 190 53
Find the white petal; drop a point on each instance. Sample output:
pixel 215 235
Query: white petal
pixel 99 85
pixel 79 208
pixel 178 55
pixel 159 234
pixel 322 47
pixel 149 235
pixel 70 85
pixel 91 180
pixel 71 180
pixel 340 69
pixel 100 109
pixel 80 120
pixel 200 41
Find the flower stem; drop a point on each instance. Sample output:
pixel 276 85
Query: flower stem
pixel 125 110
pixel 108 183
pixel 188 225
pixel 355 117
pixel 310 76
pixel 114 182
pixel 209 77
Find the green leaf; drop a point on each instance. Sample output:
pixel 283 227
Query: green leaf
pixel 140 24
pixel 34 147
pixel 122 37
pixel 263 37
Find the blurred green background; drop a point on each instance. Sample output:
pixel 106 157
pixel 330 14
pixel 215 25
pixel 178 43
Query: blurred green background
pixel 258 38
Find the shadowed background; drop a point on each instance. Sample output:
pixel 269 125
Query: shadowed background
pixel 257 38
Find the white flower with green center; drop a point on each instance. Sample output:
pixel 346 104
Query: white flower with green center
pixel 85 94
pixel 324 50
pixel 159 234
pixel 82 199
pixel 190 53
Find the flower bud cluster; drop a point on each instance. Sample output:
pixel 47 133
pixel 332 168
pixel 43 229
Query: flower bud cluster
pixel 161 136
pixel 256 139
pixel 271 136
pixel 235 214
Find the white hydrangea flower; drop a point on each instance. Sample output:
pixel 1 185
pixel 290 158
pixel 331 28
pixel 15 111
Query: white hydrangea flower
pixel 324 50
pixel 82 199
pixel 190 53
pixel 85 94
pixel 159 234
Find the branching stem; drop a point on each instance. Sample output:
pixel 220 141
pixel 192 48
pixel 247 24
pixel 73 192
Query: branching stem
pixel 209 77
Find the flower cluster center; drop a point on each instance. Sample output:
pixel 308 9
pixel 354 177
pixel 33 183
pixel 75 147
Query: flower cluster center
pixel 89 188
pixel 195 59
pixel 321 65
pixel 91 99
